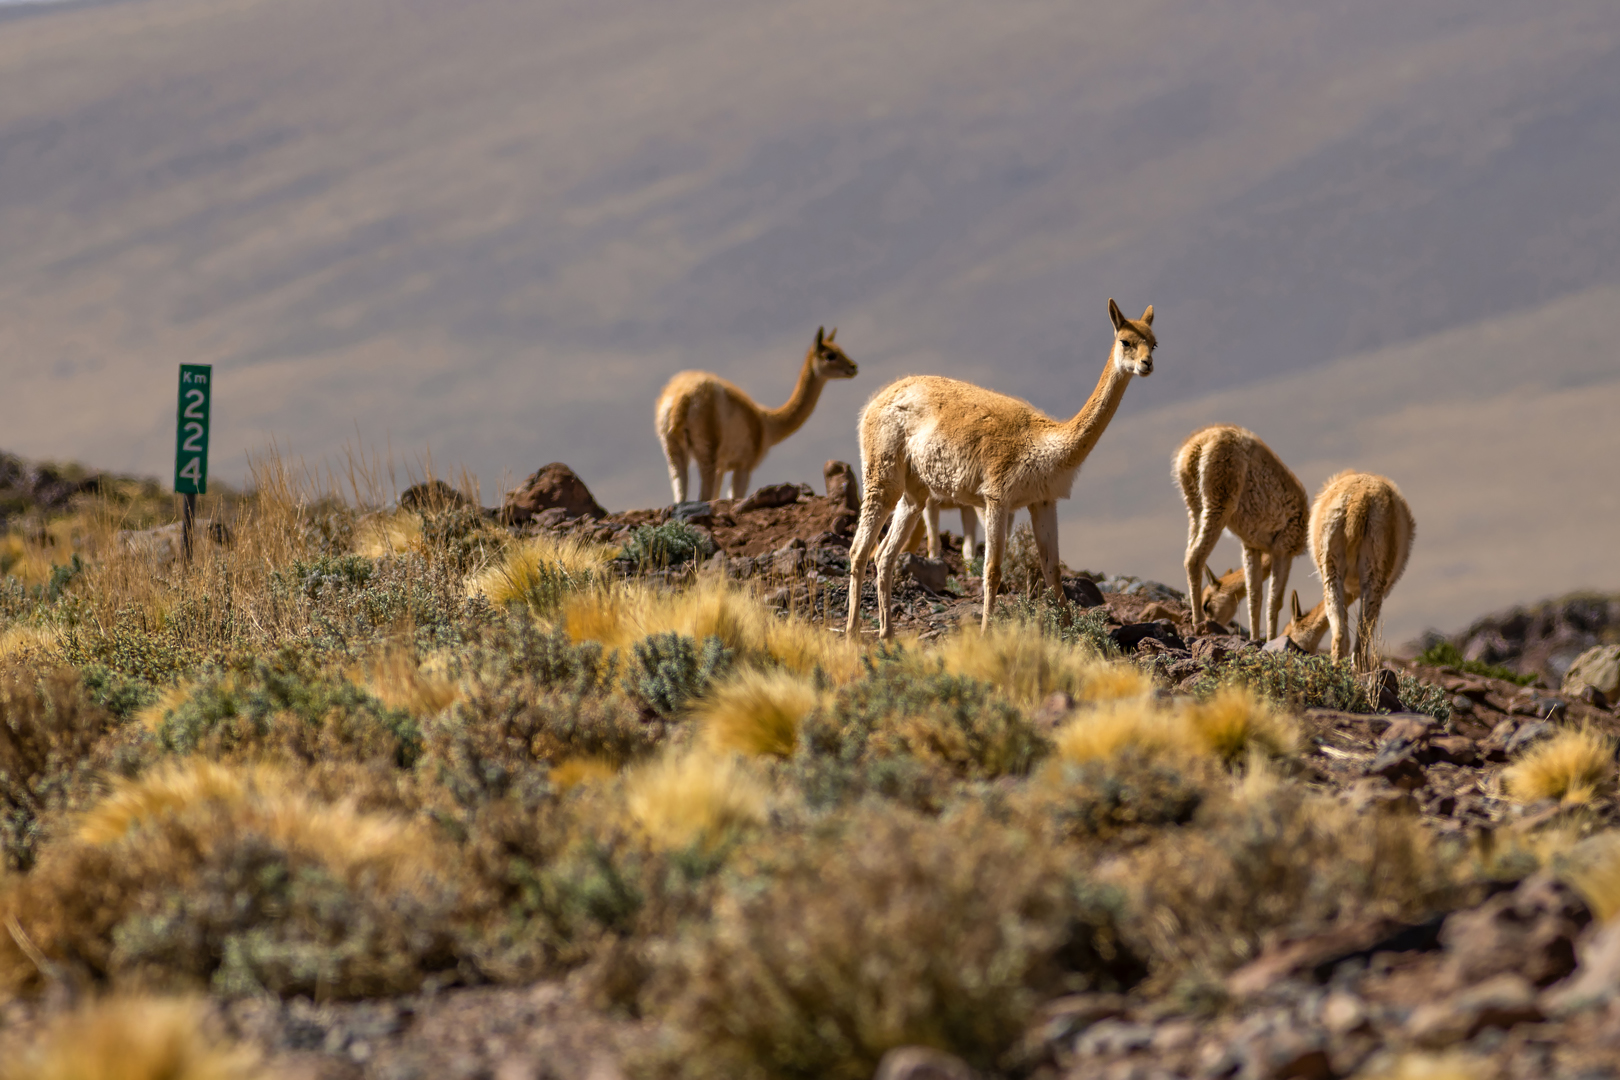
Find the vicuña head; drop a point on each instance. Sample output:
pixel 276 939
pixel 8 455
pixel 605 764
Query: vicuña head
pixel 927 436
pixel 703 418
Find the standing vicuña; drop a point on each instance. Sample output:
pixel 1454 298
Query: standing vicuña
pixel 1231 479
pixel 1361 534
pixel 931 436
pixel 703 418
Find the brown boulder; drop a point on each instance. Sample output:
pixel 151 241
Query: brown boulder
pixel 433 495
pixel 556 485
pixel 1529 931
pixel 843 484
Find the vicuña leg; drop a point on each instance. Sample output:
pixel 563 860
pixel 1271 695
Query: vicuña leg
pixel 675 454
pixel 1333 572
pixel 879 500
pixel 1203 532
pixel 1373 587
pixel 1044 523
pixel 708 480
pixel 995 543
pixel 906 513
pixel 970 532
pixel 1254 581
pixel 931 523
pixel 739 483
pixel 1281 564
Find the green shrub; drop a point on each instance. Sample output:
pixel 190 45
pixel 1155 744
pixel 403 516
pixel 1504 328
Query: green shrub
pixel 1311 681
pixel 289 703
pixel 463 536
pixel 958 722
pixel 668 670
pixel 653 547
pixel 1121 799
pixel 893 930
pixel 1060 618
pixel 152 650
pixel 1444 654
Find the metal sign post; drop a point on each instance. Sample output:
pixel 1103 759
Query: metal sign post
pixel 191 442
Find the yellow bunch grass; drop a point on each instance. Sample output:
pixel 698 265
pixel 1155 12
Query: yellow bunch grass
pixel 625 614
pixel 387 533
pixel 1450 1065
pixel 1572 766
pixel 693 798
pixel 133 1039
pixel 1592 867
pixel 804 646
pixel 516 571
pixel 1231 727
pixel 397 680
pixel 757 713
pixel 216 800
pixel 28 642
pixel 581 771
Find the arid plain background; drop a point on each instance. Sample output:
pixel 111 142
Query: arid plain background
pixel 1384 235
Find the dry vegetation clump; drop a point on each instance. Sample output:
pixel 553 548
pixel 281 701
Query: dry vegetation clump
pixel 1121 799
pixel 1027 667
pixel 758 712
pixel 694 799
pixel 50 738
pixel 1273 861
pixel 1294 681
pixel 200 875
pixel 134 1038
pixel 539 572
pixel 1231 726
pixel 1592 866
pixel 1573 767
pixel 904 709
pixel 885 930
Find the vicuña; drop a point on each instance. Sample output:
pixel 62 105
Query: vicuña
pixel 1361 532
pixel 703 418
pixel 927 436
pixel 1230 479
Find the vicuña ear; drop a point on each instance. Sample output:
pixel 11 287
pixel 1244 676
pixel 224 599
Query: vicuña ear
pixel 833 334
pixel 1213 580
pixel 821 335
pixel 1115 314
pixel 1147 316
pixel 1298 612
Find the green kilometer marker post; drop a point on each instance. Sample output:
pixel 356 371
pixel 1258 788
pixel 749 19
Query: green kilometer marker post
pixel 191 441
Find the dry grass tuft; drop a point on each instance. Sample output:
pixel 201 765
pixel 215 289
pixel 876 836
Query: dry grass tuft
pixel 581 771
pixel 387 534
pixel 134 1039
pixel 1449 1065
pixel 629 612
pixel 804 647
pixel 1573 766
pixel 396 679
pixel 523 568
pixel 683 800
pixel 1592 867
pixel 757 713
pixel 1026 667
pixel 1231 727
pixel 1235 724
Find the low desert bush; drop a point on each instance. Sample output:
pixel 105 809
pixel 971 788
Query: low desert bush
pixel 1059 618
pixel 49 735
pixel 902 709
pixel 757 713
pixel 1445 654
pixel 504 736
pixel 1120 799
pixel 1275 860
pixel 885 931
pixel 653 547
pixel 1295 681
pixel 200 875
pixel 286 704
pixel 667 671
pixel 134 1038
pixel 1573 766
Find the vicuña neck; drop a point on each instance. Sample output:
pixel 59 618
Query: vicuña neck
pixel 1092 419
pixel 782 422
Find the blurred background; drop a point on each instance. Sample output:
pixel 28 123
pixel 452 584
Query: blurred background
pixel 1383 235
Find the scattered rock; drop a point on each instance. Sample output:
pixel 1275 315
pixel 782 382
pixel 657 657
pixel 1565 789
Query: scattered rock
pixel 1597 668
pixel 772 496
pixel 1499 1002
pixel 1129 636
pixel 1283 644
pixel 1053 712
pixel 1343 1012
pixel 1083 592
pixel 922 1063
pixel 556 485
pixel 1594 697
pixel 433 495
pixel 843 485
pixel 929 573
pixel 1384 689
pixel 1215 648
pixel 1530 931
pixel 1597 979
